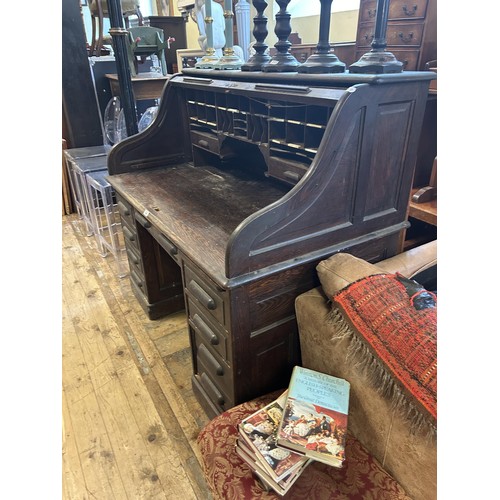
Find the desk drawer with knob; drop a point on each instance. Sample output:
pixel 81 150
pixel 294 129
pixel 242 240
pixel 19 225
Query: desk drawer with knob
pixel 208 331
pixel 204 293
pixel 209 362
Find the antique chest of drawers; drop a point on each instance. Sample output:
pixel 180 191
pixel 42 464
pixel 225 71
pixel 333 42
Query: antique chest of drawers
pixel 411 31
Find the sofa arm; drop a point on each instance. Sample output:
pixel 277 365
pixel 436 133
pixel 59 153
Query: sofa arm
pixel 413 261
pixel 341 269
pixel 410 457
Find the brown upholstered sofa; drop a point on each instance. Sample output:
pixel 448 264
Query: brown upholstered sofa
pixel 387 456
pixel 406 451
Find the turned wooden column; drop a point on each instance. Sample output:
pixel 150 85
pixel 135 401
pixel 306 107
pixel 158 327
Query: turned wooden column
pixel 229 59
pixel 260 33
pixel 378 60
pixel 283 60
pixel 323 60
pixel 209 60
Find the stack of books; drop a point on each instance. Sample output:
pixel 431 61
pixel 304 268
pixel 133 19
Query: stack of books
pixel 307 422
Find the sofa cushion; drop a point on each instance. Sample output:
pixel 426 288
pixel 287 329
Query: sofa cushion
pixel 392 323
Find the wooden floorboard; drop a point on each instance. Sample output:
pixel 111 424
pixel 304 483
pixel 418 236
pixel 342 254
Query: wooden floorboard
pixel 130 419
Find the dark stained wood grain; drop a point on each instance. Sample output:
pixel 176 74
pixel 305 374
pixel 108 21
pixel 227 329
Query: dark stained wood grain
pixel 236 206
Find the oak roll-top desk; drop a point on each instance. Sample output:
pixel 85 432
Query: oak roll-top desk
pixel 241 185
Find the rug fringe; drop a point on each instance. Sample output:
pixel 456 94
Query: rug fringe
pixel 379 377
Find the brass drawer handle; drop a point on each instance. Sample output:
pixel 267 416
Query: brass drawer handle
pixel 410 12
pixel 406 39
pixel 205 330
pixel 201 295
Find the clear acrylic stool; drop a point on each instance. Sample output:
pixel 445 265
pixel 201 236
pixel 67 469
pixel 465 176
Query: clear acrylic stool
pixel 105 219
pixel 79 161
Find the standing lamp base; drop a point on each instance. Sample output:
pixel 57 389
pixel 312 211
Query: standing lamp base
pixel 322 63
pixel 229 62
pixel 377 62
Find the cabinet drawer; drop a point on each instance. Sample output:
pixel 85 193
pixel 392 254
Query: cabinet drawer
pixel 204 295
pixel 131 239
pixel 126 211
pixel 365 35
pixel 409 58
pixel 217 370
pixel 211 391
pixel 367 11
pixel 404 9
pixel 290 172
pixel 205 141
pixel 206 330
pixel 405 34
pixel 165 243
pixel 135 262
pixel 137 280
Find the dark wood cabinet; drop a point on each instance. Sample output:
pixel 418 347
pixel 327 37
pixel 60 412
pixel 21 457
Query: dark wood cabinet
pixel 172 26
pixel 241 185
pixel 411 31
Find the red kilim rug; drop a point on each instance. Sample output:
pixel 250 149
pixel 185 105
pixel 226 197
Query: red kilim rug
pixel 396 320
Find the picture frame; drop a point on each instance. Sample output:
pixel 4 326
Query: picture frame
pixel 187 54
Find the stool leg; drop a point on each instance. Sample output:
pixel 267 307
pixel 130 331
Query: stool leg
pixel 93 44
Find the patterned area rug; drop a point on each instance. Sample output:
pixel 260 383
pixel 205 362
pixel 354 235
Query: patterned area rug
pixel 392 322
pixel 230 478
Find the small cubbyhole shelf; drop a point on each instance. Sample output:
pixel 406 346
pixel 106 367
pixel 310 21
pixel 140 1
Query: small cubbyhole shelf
pixel 291 131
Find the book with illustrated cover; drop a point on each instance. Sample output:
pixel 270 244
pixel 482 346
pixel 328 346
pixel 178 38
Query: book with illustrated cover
pixel 267 482
pixel 315 415
pixel 259 432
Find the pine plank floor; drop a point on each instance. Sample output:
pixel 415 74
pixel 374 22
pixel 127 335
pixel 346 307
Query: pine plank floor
pixel 130 419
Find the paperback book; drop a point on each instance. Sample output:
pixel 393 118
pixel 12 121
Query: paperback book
pixel 314 421
pixel 268 483
pixel 259 432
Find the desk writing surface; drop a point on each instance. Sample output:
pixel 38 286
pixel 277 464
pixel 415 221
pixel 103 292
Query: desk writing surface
pixel 198 208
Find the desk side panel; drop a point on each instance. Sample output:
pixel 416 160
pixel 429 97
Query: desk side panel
pixel 358 185
pixel 165 142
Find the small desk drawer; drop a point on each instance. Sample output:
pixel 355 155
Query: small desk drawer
pixel 137 280
pixel 207 332
pixel 126 211
pixel 135 262
pixel 286 170
pixel 214 367
pixel 205 141
pixel 204 295
pixel 131 239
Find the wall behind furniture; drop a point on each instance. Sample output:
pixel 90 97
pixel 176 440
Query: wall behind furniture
pixel 343 27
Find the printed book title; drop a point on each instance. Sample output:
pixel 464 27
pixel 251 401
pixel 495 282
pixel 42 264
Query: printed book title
pixel 320 389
